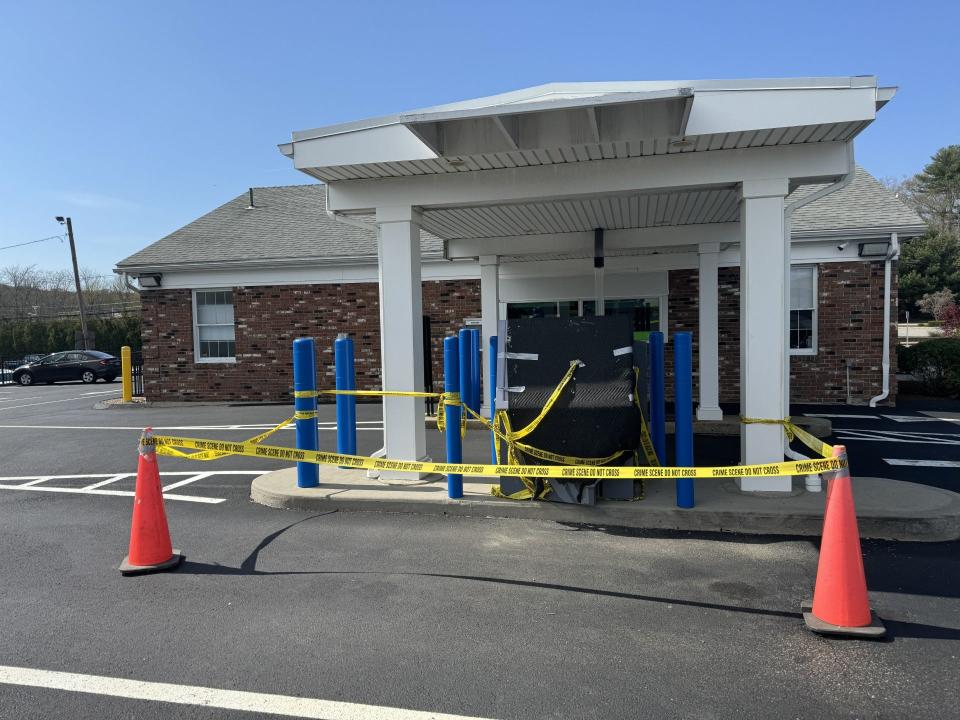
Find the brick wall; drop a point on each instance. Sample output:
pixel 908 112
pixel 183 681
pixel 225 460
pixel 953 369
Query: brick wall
pixel 850 330
pixel 267 320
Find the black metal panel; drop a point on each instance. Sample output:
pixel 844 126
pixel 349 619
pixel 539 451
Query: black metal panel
pixel 595 415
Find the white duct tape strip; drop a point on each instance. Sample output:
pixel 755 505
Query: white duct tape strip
pixel 516 388
pixel 623 351
pixel 519 356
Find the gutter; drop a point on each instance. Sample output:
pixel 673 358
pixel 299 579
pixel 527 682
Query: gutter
pixel 126 281
pixel 892 254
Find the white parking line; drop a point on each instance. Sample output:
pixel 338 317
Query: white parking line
pixel 51 402
pixel 35 482
pixel 198 696
pixel 116 493
pixel 843 416
pixel 916 438
pixel 108 481
pixel 923 463
pixel 39 483
pixel 186 481
pixel 911 418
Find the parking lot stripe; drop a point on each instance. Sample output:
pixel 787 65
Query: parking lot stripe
pixel 843 416
pixel 923 463
pixel 199 696
pixel 51 402
pixel 186 481
pixel 108 481
pixel 115 493
pixel 35 482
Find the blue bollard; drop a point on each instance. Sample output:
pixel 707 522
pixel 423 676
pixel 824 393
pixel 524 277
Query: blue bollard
pixel 475 369
pixel 658 412
pixel 683 415
pixel 305 381
pixel 346 404
pixel 492 392
pixel 466 373
pixel 452 367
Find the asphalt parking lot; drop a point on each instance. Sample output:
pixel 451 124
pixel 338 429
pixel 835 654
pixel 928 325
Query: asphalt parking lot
pixel 475 617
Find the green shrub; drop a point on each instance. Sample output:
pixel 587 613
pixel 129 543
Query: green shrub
pixel 935 364
pixel 20 337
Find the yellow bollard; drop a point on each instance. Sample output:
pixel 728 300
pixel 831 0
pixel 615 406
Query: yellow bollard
pixel 126 372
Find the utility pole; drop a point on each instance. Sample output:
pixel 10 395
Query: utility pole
pixel 76 279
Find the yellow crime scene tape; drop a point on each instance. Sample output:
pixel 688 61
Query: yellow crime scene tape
pixel 163 443
pixel 567 467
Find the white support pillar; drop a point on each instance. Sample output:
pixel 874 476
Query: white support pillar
pixel 490 311
pixel 709 333
pixel 764 251
pixel 401 333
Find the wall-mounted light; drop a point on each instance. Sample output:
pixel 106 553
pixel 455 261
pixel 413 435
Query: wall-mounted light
pixel 874 249
pixel 149 281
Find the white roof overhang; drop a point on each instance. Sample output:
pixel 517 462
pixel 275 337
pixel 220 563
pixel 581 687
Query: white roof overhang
pixel 535 161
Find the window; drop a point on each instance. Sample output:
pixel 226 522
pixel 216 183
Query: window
pixel 553 308
pixel 644 311
pixel 803 310
pixel 213 323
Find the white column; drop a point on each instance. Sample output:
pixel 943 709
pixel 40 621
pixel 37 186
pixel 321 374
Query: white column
pixel 401 332
pixel 709 333
pixel 490 309
pixel 763 333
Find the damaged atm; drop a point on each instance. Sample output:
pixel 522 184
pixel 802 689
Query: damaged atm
pixel 573 391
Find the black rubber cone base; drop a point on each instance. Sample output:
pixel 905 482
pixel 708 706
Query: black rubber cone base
pixel 874 630
pixel 127 569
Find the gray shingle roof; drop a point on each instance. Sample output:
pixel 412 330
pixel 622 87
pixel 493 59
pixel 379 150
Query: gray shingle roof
pixel 286 222
pixel 290 223
pixel 863 205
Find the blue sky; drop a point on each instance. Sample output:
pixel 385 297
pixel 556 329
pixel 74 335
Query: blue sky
pixel 135 118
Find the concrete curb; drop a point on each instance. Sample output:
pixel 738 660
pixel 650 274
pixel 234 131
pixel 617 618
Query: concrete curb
pixel 936 517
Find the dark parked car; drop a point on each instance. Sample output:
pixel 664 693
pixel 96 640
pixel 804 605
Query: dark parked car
pixel 85 365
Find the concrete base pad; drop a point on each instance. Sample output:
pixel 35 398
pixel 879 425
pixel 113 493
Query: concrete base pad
pixel 873 631
pixel 886 509
pixel 127 569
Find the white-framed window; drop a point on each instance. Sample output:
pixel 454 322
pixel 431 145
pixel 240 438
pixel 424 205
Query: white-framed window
pixel 803 310
pixel 213 330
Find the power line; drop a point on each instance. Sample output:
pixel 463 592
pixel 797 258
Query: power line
pixel 33 242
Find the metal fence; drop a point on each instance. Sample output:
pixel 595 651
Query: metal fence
pixel 136 367
pixel 8 365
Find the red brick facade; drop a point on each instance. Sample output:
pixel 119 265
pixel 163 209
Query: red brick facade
pixel 849 324
pixel 849 318
pixel 267 320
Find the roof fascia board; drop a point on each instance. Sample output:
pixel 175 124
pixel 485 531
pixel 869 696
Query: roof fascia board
pixel 810 163
pixel 903 231
pixel 733 111
pixel 317 261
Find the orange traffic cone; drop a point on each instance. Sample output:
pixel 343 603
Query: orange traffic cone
pixel 150 548
pixel 840 604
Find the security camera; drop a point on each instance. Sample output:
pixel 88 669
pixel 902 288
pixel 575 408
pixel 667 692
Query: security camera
pixel 842 246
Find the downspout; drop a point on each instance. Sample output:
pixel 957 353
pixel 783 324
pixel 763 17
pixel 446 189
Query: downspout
pixel 126 281
pixel 893 253
pixel 812 483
